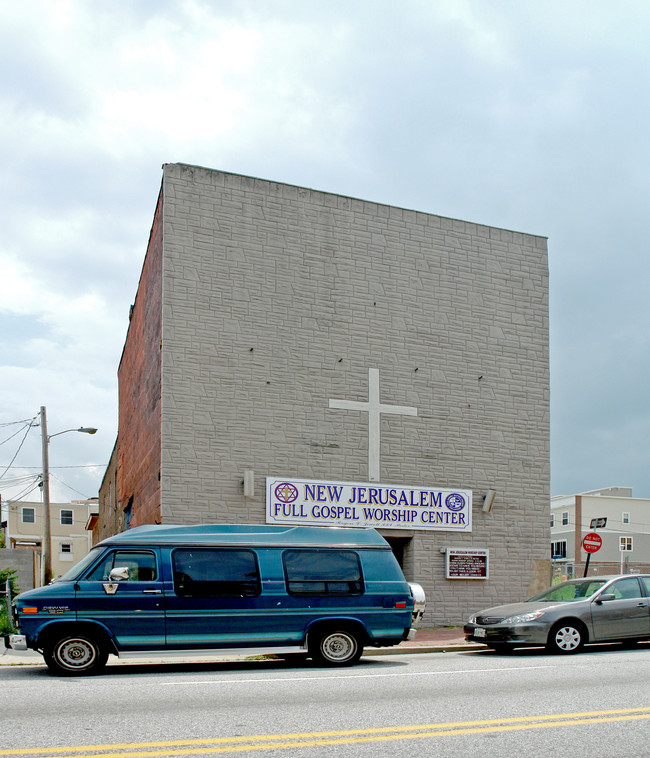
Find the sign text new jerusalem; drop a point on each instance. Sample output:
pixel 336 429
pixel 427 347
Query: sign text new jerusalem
pixel 383 506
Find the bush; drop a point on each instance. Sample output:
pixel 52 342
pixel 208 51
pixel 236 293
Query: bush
pixel 6 575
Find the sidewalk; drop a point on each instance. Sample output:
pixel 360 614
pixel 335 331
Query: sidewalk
pixel 434 640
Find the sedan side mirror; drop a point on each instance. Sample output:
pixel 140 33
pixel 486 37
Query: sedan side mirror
pixel 119 574
pixel 605 597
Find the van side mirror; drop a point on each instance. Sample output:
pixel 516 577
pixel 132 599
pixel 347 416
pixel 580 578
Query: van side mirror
pixel 605 597
pixel 119 574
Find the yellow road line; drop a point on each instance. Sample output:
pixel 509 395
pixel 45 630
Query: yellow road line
pixel 314 739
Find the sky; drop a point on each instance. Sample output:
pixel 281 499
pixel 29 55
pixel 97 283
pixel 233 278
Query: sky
pixel 523 115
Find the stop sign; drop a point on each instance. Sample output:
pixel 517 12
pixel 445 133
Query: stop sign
pixel 592 542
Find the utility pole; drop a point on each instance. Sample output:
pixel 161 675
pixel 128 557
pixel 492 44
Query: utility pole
pixel 46 557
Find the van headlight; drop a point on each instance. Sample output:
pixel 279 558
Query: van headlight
pixel 523 618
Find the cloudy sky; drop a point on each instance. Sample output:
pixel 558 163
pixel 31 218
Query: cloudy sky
pixel 524 115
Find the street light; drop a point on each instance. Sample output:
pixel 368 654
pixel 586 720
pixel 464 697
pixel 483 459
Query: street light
pixel 47 527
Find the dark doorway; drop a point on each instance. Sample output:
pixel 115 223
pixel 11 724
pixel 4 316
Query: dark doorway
pixel 399 546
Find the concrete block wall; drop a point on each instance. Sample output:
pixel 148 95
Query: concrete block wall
pixel 23 563
pixel 278 298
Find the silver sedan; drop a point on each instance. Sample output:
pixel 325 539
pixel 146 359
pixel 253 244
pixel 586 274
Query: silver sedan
pixel 566 616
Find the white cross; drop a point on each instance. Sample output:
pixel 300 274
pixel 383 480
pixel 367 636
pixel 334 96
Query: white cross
pixel 374 407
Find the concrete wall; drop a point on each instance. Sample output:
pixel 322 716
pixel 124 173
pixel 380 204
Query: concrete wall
pixel 278 298
pixel 22 562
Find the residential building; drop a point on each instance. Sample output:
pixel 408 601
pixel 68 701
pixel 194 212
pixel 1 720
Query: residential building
pixel 621 521
pixel 69 536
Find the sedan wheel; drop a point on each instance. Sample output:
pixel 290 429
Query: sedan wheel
pixel 566 638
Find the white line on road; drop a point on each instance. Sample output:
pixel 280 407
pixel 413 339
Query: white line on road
pixel 276 680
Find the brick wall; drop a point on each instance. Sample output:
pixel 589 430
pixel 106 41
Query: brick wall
pixel 277 298
pixel 111 517
pixel 138 447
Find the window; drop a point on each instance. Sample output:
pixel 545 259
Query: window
pixel 625 518
pixel 625 544
pixel 141 566
pixel 322 572
pixel 66 548
pixel 552 520
pixel 28 515
pixel 565 518
pixel 625 588
pixel 66 517
pixel 558 549
pixel 204 572
pixel 576 589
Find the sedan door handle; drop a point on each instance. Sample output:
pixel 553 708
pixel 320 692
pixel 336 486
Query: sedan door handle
pixel 151 592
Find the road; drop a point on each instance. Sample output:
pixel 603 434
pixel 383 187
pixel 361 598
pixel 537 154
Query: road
pixel 596 704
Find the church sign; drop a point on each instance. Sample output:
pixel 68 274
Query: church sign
pixel 466 564
pixel 382 506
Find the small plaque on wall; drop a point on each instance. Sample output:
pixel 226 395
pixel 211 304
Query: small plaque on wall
pixel 468 563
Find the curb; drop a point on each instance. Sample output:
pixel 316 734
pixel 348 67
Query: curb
pixel 32 658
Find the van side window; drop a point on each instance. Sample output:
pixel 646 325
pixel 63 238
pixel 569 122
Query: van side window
pixel 322 572
pixel 141 566
pixel 204 572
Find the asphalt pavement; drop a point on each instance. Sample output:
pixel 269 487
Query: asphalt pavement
pixel 429 640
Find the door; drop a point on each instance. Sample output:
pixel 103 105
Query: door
pixel 216 600
pixel 131 607
pixel 626 616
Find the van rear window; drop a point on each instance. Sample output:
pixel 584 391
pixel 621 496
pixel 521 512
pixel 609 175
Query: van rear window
pixel 322 572
pixel 206 572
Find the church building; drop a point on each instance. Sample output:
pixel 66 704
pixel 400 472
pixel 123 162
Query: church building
pixel 300 357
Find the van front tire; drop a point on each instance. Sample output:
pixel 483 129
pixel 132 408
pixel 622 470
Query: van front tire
pixel 335 647
pixel 75 655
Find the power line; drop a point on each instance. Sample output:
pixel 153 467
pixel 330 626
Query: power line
pixel 11 437
pixel 21 495
pixel 86 497
pixel 22 442
pixel 85 465
pixel 19 480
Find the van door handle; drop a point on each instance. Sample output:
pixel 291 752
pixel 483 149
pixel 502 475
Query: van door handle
pixel 151 592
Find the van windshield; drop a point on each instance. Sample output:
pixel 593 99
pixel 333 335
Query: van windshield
pixel 71 574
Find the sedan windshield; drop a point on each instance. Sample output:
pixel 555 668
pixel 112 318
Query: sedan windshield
pixel 567 592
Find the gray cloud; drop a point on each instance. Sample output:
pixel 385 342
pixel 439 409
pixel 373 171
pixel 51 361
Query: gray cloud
pixel 526 115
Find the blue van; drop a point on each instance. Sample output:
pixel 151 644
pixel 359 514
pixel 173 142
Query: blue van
pixel 322 592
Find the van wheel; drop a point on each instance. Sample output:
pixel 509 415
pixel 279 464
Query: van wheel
pixel 335 647
pixel 75 655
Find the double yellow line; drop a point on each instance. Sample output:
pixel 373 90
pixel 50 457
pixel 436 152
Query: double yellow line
pixel 317 739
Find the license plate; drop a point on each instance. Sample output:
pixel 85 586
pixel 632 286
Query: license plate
pixel 479 632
